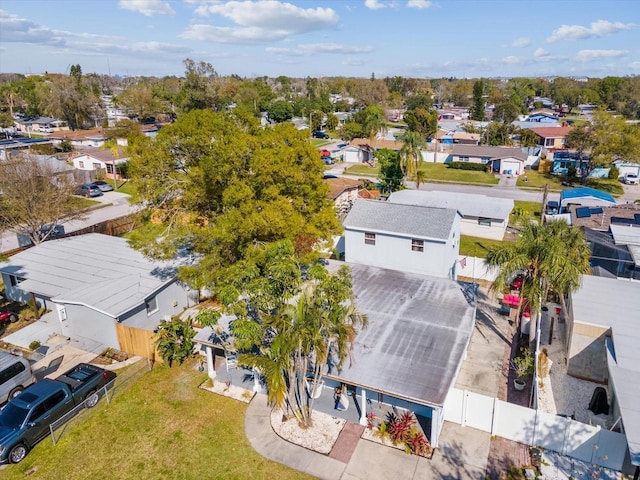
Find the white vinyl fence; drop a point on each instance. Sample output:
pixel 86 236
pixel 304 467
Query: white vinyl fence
pixel 584 442
pixel 475 268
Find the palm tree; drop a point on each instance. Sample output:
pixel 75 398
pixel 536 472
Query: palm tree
pixel 551 257
pixel 374 122
pixel 411 155
pixel 321 323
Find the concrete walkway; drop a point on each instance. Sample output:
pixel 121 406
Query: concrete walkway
pixel 462 454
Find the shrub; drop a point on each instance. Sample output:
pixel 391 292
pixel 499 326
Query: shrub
pixel 477 167
pixel 34 345
pixel 614 172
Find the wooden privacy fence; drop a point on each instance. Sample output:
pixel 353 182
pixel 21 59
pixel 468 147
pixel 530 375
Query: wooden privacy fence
pixel 136 341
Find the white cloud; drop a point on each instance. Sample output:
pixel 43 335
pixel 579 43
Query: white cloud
pixel 585 56
pixel 420 4
pixel 261 21
pixel 512 60
pixel 521 42
pixel 354 62
pixel 599 28
pixel 374 4
pixel 147 7
pixel 635 65
pixel 316 48
pixel 540 53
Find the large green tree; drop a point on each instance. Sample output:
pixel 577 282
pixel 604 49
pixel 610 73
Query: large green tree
pixel 477 109
pixel 551 257
pixel 218 183
pixel 390 172
pixel 411 155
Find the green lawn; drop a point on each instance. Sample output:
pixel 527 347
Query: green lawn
pixel 434 172
pixel 125 187
pixel 161 426
pixel 78 203
pixel 476 246
pixel 524 209
pixel 536 179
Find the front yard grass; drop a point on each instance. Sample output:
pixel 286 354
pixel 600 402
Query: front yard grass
pixel 434 172
pixel 536 179
pixel 476 246
pixel 161 426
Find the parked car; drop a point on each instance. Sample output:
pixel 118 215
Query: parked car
pixel 104 186
pixel 89 190
pixel 325 153
pixel 328 160
pixel 15 375
pixel 26 419
pixel 631 179
pixel 50 230
pixel 320 134
pixel 8 317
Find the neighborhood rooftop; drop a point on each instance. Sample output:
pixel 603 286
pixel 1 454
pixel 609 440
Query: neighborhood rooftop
pixel 468 204
pixel 419 328
pixel 97 270
pixel 585 192
pixel 397 219
pixel 487 151
pixel 615 304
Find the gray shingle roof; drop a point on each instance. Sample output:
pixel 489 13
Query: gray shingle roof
pixel 408 220
pixel 486 151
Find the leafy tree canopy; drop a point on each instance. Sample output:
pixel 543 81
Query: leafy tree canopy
pixel 390 173
pixel 219 184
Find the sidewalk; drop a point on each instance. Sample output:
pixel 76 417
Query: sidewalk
pixel 462 454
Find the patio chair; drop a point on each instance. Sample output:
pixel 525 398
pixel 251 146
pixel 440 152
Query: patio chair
pixel 231 360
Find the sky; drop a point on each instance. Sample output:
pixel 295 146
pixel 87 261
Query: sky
pixel 300 38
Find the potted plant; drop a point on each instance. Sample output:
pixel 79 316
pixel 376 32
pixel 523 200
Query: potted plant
pixel 523 366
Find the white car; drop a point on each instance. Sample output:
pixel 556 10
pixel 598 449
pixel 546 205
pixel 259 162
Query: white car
pixel 631 179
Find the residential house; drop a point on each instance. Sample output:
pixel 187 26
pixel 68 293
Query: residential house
pixel 100 159
pixel 408 238
pixel 563 160
pixel 408 357
pixel 378 143
pixel 97 286
pixel 357 153
pixel 451 137
pixel 80 138
pixel 542 116
pixel 40 125
pixel 603 339
pixel 504 160
pixel 552 138
pixel 586 197
pixel 627 167
pixel 482 216
pixel 343 192
pixel 20 145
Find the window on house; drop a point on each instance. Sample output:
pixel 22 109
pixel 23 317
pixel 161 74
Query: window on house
pixel 464 159
pixel 81 164
pixel 15 280
pixel 417 245
pixel 369 238
pixel 152 305
pixel 109 168
pixel 486 222
pixel 96 166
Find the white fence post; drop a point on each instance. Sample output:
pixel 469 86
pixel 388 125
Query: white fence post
pixel 465 398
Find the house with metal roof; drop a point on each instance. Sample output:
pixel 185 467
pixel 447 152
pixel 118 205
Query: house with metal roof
pixel 95 284
pixel 603 339
pixel 585 196
pixel 505 160
pixel 482 216
pixel 409 238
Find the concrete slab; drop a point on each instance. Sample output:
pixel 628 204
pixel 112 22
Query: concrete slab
pixel 40 330
pixel 372 461
pixel 463 446
pixel 60 360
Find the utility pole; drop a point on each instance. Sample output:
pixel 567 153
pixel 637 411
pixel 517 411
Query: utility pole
pixel 545 194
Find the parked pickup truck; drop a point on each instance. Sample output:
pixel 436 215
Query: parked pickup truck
pixel 25 419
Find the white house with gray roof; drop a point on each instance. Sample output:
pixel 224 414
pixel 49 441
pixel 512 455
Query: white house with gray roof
pixel 502 159
pixel 482 216
pixel 92 282
pixel 409 238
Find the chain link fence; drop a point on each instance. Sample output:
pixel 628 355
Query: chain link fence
pixel 108 392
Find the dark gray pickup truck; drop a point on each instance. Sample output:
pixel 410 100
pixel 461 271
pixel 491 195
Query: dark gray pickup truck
pixel 25 420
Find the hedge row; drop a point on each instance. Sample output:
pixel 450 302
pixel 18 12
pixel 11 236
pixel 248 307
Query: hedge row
pixel 479 167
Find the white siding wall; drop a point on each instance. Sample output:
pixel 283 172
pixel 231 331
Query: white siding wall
pixel 85 322
pixel 171 300
pixel 87 163
pixel 394 252
pixel 470 227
